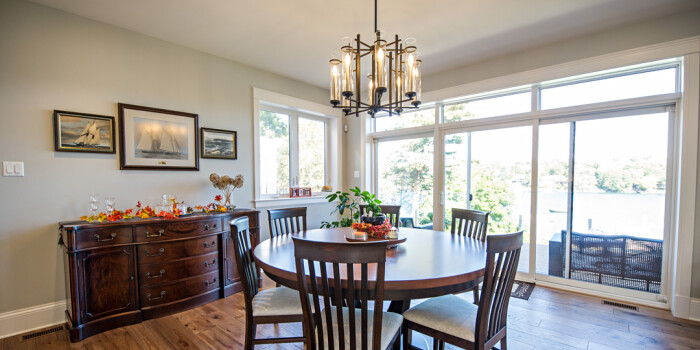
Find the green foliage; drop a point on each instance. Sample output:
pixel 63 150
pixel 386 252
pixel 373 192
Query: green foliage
pixel 347 204
pixel 371 201
pixel 491 194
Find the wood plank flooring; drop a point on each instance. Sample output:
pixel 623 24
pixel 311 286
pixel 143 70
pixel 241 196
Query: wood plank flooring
pixel 551 319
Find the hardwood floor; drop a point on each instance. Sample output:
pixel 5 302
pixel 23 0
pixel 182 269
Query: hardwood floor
pixel 551 319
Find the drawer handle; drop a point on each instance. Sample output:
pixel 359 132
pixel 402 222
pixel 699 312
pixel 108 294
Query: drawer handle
pixel 160 252
pixel 160 233
pixel 207 283
pixel 97 237
pixel 206 227
pixel 162 272
pixel 207 264
pixel 162 295
pixel 207 245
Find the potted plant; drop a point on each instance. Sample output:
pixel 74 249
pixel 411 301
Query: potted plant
pixel 374 214
pixel 346 204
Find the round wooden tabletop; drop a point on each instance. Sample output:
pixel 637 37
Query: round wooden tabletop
pixel 428 264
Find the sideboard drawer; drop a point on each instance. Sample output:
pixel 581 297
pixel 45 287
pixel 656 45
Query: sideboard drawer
pixel 176 229
pixel 159 273
pixel 164 293
pixel 102 237
pixel 162 252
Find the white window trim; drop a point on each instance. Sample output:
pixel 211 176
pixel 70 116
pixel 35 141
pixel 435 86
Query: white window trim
pixel 334 167
pixel 682 225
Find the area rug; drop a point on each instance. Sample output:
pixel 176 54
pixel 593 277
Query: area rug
pixel 522 290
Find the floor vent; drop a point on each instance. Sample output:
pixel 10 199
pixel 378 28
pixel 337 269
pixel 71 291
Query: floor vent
pixel 624 306
pixel 42 332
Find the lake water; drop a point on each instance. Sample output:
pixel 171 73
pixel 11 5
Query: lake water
pixel 638 215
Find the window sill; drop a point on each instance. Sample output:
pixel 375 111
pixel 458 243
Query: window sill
pixel 286 201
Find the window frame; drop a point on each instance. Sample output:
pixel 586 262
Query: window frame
pixel 684 54
pixel 296 108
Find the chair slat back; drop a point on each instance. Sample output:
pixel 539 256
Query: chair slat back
pixel 243 250
pixel 470 223
pixel 320 266
pixel 287 220
pixel 503 253
pixel 391 212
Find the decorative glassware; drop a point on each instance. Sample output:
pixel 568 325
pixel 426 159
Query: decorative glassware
pixel 94 203
pixel 109 204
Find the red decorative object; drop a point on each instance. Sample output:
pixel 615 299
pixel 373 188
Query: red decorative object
pixel 376 231
pixel 299 192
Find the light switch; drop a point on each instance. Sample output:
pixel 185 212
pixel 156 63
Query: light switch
pixel 357 174
pixel 12 168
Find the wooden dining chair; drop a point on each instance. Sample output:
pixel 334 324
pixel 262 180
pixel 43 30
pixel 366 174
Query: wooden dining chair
pixel 453 320
pixel 473 224
pixel 321 291
pixel 274 305
pixel 391 212
pixel 470 223
pixel 287 220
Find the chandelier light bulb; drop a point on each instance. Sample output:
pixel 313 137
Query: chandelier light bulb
pixel 335 82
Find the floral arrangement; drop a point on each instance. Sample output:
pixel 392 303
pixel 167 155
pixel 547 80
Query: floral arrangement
pixel 148 212
pixel 226 184
pixel 373 231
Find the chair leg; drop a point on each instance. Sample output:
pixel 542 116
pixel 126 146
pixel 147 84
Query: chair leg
pixel 436 344
pixel 504 345
pixel 442 345
pixel 249 335
pixel 476 295
pixel 404 334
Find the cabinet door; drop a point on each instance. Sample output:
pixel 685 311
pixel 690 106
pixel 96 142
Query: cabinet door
pixel 108 282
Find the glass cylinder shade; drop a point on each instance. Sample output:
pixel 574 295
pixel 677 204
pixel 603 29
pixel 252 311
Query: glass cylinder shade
pixel 398 89
pixel 380 65
pixel 417 76
pixel 409 78
pixel 335 81
pixel 370 89
pixel 348 79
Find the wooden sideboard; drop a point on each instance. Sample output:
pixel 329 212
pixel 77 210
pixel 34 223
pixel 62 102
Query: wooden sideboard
pixel 120 273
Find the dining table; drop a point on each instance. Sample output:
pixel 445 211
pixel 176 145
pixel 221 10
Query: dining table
pixel 427 264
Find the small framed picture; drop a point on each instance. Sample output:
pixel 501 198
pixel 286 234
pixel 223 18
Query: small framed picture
pixel 81 132
pixel 219 144
pixel 157 139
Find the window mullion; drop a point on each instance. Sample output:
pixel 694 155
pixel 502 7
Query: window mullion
pixel 294 151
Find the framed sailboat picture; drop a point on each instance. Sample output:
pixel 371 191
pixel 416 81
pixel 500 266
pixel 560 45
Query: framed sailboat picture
pixel 157 139
pixel 81 132
pixel 218 143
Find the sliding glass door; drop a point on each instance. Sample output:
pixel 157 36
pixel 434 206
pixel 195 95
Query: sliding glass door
pixel 602 200
pixel 490 170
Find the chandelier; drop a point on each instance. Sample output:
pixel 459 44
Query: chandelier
pixel 395 74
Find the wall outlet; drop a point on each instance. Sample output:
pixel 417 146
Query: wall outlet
pixel 356 174
pixel 12 168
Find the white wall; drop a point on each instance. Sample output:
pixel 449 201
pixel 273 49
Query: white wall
pixel 53 60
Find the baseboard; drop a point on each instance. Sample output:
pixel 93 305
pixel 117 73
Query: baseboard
pixel 32 318
pixel 695 309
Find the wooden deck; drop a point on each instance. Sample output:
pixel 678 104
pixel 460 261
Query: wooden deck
pixel 551 319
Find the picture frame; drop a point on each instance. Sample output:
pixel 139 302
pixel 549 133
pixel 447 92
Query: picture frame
pixel 218 144
pixel 83 132
pixel 157 139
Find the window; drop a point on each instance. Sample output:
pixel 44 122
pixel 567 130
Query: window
pixel 407 119
pixel 296 144
pixel 488 107
pixel 656 82
pixel 601 172
pixel 281 132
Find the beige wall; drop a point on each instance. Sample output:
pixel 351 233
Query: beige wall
pixel 641 34
pixel 53 60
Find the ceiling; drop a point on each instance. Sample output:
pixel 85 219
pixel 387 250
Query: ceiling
pixel 295 38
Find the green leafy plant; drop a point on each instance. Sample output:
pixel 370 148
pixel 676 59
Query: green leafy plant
pixel 371 201
pixel 345 205
pixel 349 209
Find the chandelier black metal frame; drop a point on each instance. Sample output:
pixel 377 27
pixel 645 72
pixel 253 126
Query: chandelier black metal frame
pixel 396 72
